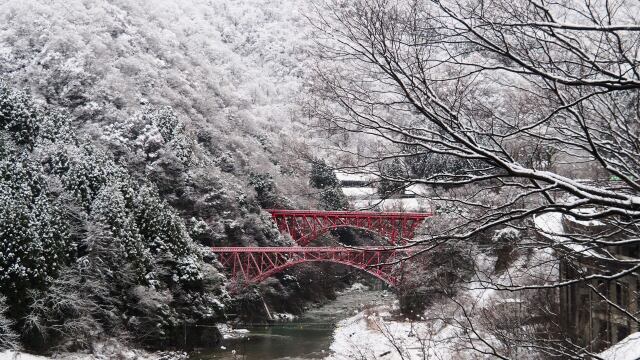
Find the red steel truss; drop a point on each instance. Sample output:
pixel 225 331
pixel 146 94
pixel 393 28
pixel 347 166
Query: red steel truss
pixel 256 264
pixel 305 226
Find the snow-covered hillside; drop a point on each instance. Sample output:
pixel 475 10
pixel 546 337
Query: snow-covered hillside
pixel 233 71
pixel 235 63
pixel 190 108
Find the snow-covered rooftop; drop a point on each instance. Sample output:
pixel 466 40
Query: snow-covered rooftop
pixel 551 227
pixel 359 192
pixel 342 176
pixel 627 349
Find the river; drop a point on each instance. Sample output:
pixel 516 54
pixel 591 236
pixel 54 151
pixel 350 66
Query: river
pixel 306 337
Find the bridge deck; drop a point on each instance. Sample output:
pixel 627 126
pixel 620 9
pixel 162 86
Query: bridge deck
pixel 351 214
pixel 301 249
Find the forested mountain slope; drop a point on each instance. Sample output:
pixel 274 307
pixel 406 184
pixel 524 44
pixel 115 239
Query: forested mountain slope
pixel 229 74
pixel 230 65
pixel 137 132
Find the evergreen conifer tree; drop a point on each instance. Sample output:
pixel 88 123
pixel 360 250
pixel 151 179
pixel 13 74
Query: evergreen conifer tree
pixel 324 179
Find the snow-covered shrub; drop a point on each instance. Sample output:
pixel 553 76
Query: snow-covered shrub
pixel 69 313
pixel 148 137
pixel 226 162
pixel 504 243
pixel 152 315
pixel 200 230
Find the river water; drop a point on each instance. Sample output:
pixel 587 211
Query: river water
pixel 307 337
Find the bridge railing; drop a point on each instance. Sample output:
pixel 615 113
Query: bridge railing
pixel 358 214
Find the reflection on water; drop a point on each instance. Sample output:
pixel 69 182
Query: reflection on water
pixel 308 337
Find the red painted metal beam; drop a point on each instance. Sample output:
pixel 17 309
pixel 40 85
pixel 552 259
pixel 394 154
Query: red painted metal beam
pixel 354 214
pixel 255 264
pixel 304 226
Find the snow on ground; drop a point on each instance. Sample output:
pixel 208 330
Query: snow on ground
pixel 627 349
pixel 550 223
pixel 355 287
pixel 229 332
pixel 419 189
pixel 442 331
pixel 375 334
pixel 107 350
pixel 15 355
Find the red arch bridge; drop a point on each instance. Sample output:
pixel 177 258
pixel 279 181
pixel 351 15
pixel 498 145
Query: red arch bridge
pixel 255 264
pixel 305 226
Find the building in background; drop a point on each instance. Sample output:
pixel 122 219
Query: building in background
pixel 594 313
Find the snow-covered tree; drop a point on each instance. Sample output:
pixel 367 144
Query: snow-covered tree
pixel 266 191
pixel 18 116
pixel 8 337
pixel 35 233
pixel 537 100
pixel 324 179
pixel 78 231
pixel 391 182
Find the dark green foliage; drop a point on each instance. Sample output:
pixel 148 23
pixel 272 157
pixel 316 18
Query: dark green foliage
pixel 166 121
pixel 78 233
pixel 442 168
pixel 25 124
pixel 84 171
pixel 266 192
pixel 323 178
pixel 429 164
pixel 35 238
pixel 393 173
pixel 18 116
pixel 333 199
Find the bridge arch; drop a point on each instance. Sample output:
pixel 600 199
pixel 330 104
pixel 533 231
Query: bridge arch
pixel 256 264
pixel 305 226
pixel 383 276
